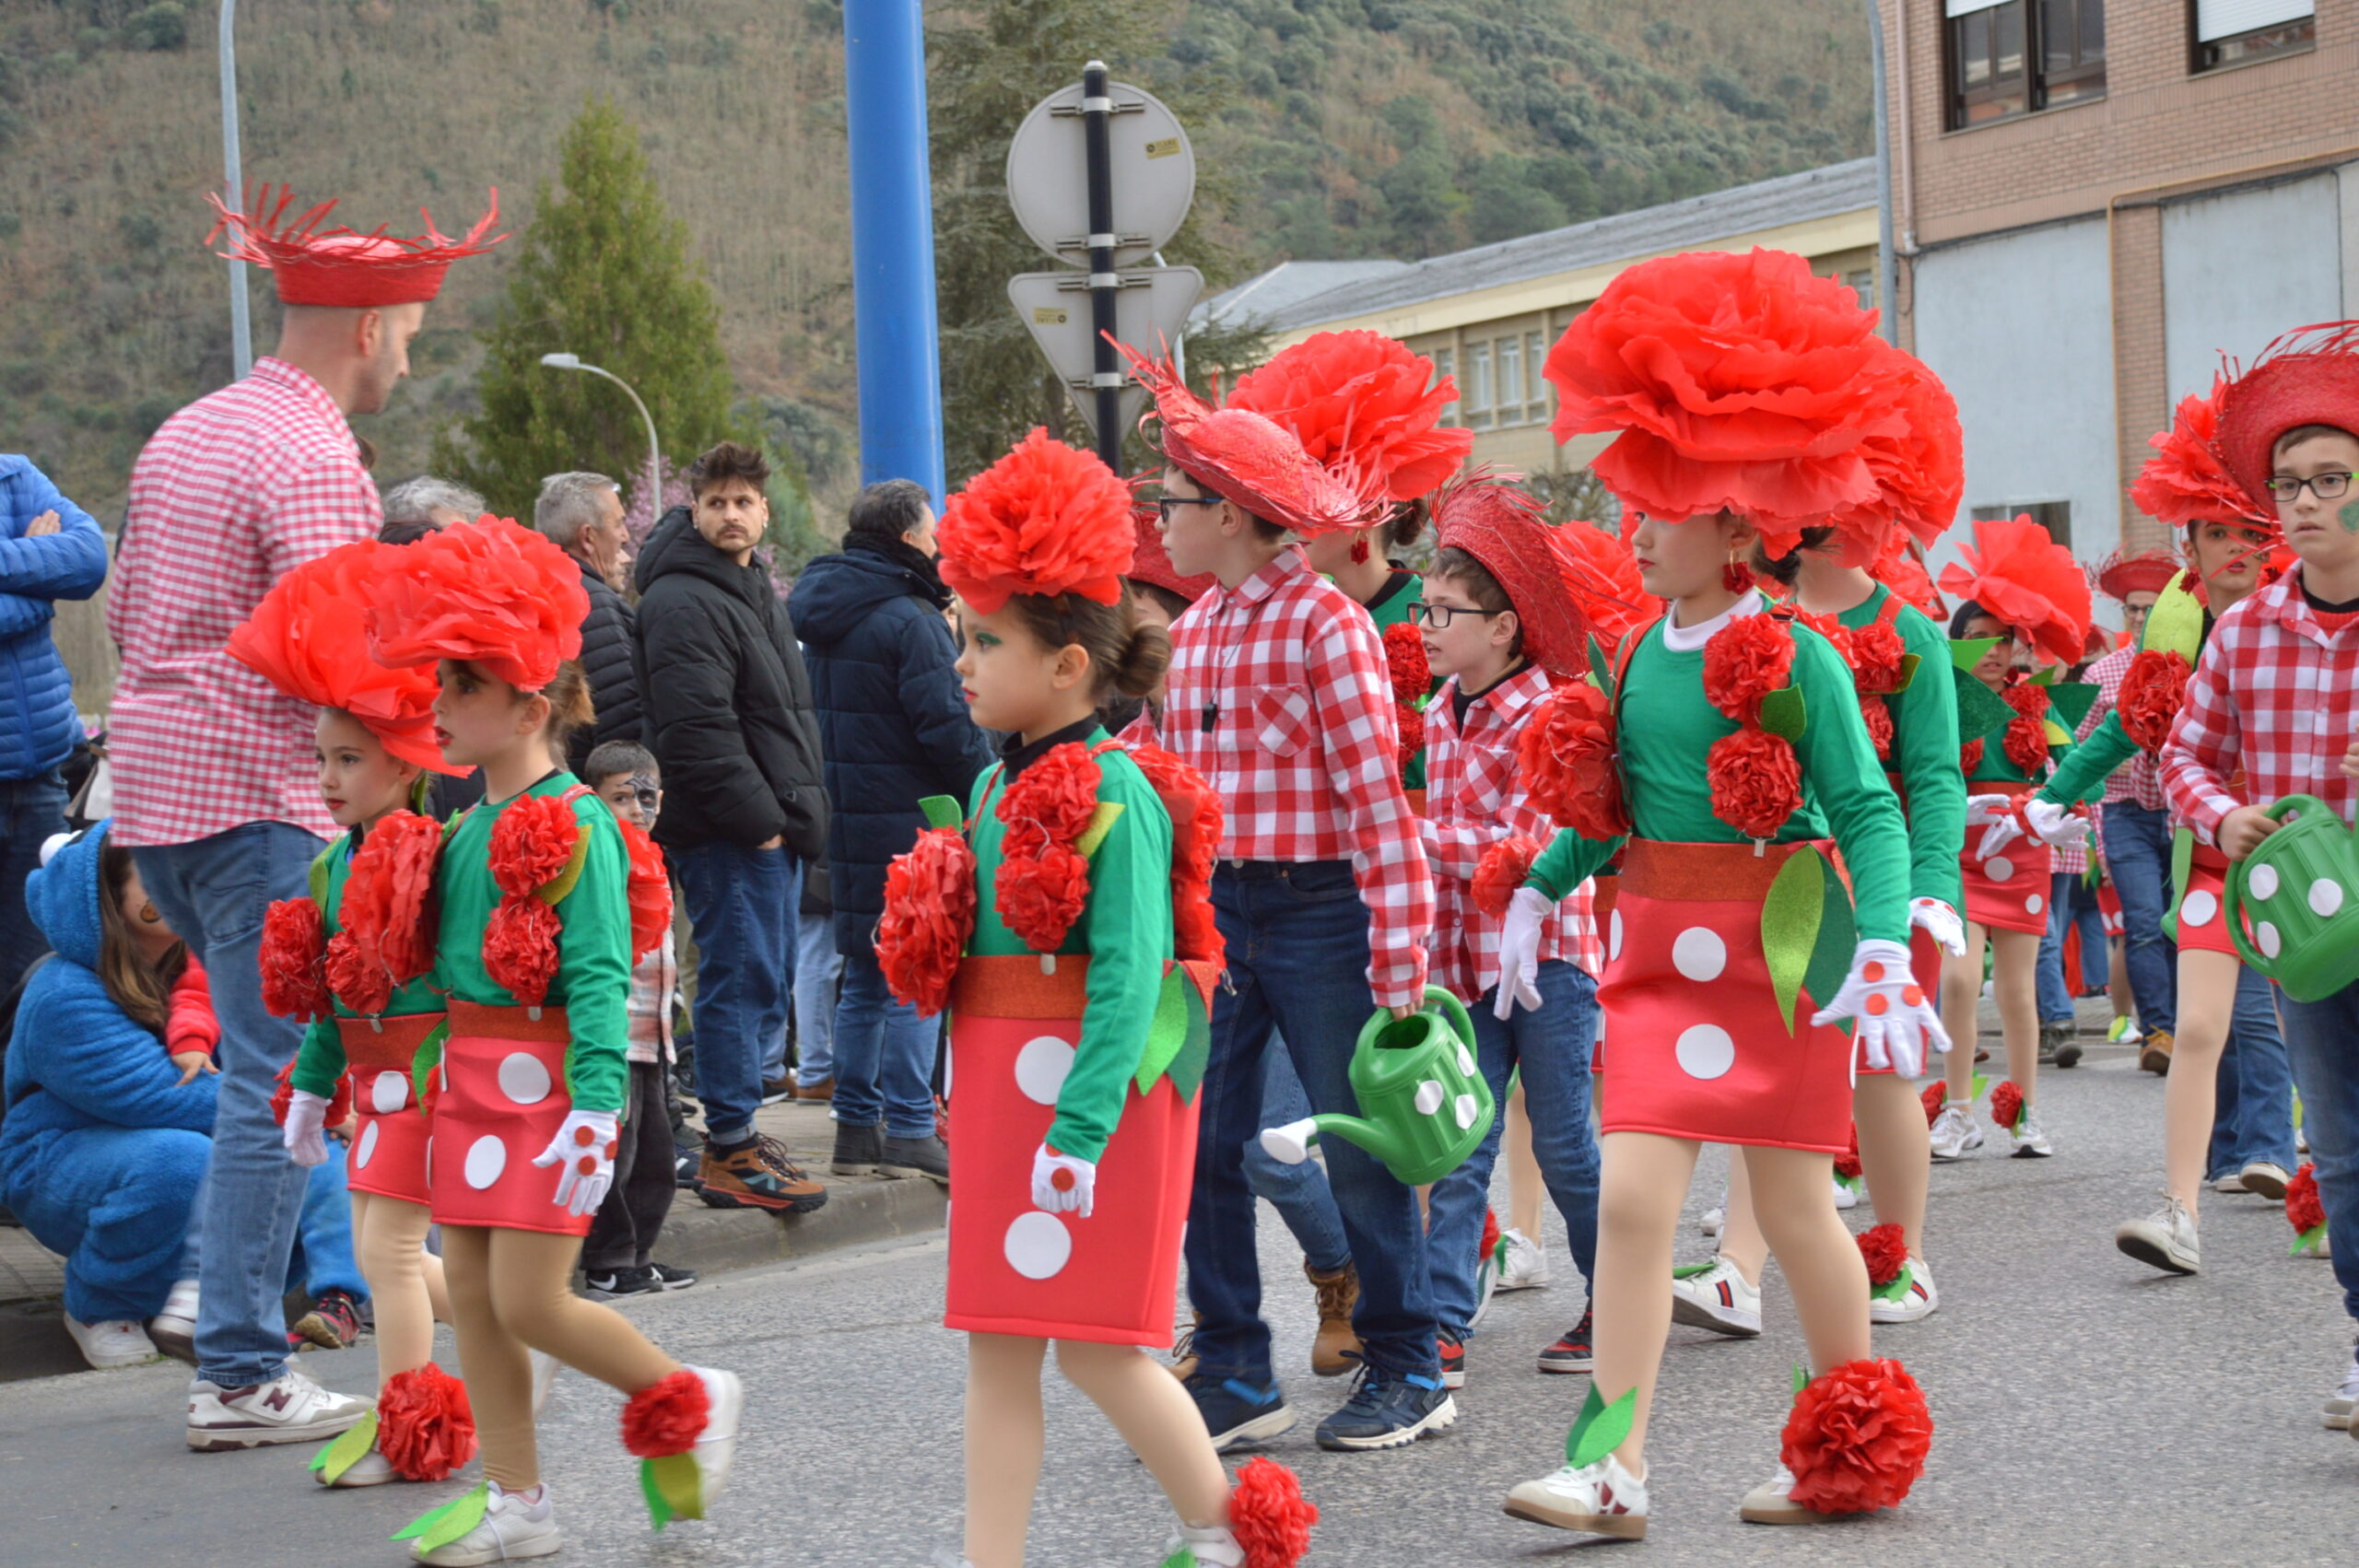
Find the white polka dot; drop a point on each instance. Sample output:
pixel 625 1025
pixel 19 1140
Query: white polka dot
pixel 1465 1110
pixel 486 1157
pixel 523 1078
pixel 389 1091
pixel 2196 909
pixel 1704 1050
pixel 2326 896
pixel 2263 881
pixel 366 1147
pixel 1040 1068
pixel 2032 904
pixel 1037 1244
pixel 1998 867
pixel 1614 936
pixel 1465 1060
pixel 2271 943
pixel 1699 954
pixel 1428 1098
pixel 949 1059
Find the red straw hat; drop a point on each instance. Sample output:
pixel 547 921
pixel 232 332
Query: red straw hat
pixel 311 264
pixel 2185 481
pixel 2119 576
pixel 1501 526
pixel 1045 518
pixel 1151 562
pixel 488 592
pixel 2309 377
pixel 1366 401
pixel 1250 458
pixel 2019 575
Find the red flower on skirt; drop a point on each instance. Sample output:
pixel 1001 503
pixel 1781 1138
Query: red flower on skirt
pixel 531 843
pixel 929 915
pixel 2007 1104
pixel 2154 689
pixel 1857 1438
pixel 1878 717
pixel 2026 736
pixel 1756 780
pixel 356 976
pixel 388 899
pixel 294 943
pixel 1745 662
pixel 650 890
pixel 1568 762
pixel 1884 1252
pixel 1501 870
pixel 2303 1210
pixel 1876 654
pixel 520 948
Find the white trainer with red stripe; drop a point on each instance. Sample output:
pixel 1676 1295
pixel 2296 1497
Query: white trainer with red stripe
pixel 1602 1499
pixel 1918 1303
pixel 1715 1296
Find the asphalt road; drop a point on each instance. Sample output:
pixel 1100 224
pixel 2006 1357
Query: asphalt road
pixel 2088 1412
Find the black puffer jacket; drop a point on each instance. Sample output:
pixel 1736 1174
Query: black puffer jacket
pixel 728 704
pixel 609 655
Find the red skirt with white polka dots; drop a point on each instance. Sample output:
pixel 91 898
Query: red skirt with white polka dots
pixel 2110 908
pixel 503 1097
pixel 389 1148
pixel 1112 1278
pixel 2008 891
pixel 2203 926
pixel 1700 1050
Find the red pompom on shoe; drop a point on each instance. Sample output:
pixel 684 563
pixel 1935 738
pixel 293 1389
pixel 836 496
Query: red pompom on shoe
pixel 1745 662
pixel 1569 767
pixel 1847 1164
pixel 426 1428
pixel 650 890
pixel 388 899
pixel 2303 1210
pixel 668 1418
pixel 531 843
pixel 294 950
pixel 1858 1437
pixel 356 976
pixel 1501 870
pixel 1884 1252
pixel 1404 654
pixel 1756 780
pixel 1935 1096
pixel 929 915
pixel 2154 689
pixel 520 948
pixel 1269 1515
pixel 2006 1104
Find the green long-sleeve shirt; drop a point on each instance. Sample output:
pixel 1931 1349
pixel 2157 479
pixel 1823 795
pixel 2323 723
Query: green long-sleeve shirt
pixel 321 1060
pixel 592 980
pixel 1666 730
pixel 2084 769
pixel 1924 751
pixel 1125 928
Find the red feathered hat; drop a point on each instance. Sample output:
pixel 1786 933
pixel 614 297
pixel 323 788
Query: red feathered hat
pixel 1151 562
pixel 307 638
pixel 2022 577
pixel 2309 377
pixel 1366 401
pixel 2119 576
pixel 1500 524
pixel 489 592
pixel 1251 460
pixel 1919 468
pixel 1045 518
pixel 313 264
pixel 1737 381
pixel 2185 481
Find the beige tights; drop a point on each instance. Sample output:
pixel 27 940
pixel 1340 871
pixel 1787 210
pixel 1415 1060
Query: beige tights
pixel 1896 1155
pixel 2207 1000
pixel 404 1280
pixel 1525 1187
pixel 2015 971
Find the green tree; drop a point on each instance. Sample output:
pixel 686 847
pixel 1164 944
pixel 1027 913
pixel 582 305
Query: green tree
pixel 603 272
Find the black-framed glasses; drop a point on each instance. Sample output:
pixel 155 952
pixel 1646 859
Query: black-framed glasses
pixel 2324 486
pixel 1163 505
pixel 1423 615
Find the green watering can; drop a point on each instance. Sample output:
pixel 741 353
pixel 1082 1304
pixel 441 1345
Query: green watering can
pixel 1427 1107
pixel 2300 890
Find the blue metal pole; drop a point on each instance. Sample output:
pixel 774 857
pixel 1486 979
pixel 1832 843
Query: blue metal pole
pixel 892 243
pixel 241 340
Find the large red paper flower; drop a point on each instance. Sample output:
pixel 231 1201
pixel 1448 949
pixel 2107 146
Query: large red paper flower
pixel 1856 1437
pixel 426 1428
pixel 2154 689
pixel 520 948
pixel 1041 895
pixel 2185 481
pixel 388 899
pixel 358 976
pixel 2304 1212
pixel 1935 1096
pixel 1057 795
pixel 1745 662
pixel 668 1418
pixel 1917 461
pixel 1756 780
pixel 1876 653
pixel 929 915
pixel 1409 729
pixel 293 944
pixel 1878 717
pixel 649 891
pixel 1502 869
pixel 2025 741
pixel 1362 404
pixel 493 594
pixel 1569 766
pixel 2007 1103
pixel 1404 655
pixel 1269 1515
pixel 1042 882
pixel 1885 1252
pixel 533 842
pixel 1045 518
pixel 2027 581
pixel 1197 818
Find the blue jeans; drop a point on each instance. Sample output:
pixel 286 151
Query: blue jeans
pixel 31 810
pixel 2069 902
pixel 2138 856
pixel 1299 1193
pixel 321 1259
pixel 214 891
pixel 2253 1117
pixel 1553 1048
pixel 2318 1037
pixel 741 907
pixel 1297 939
pixel 817 969
pixel 884 1054
pixel 115 1202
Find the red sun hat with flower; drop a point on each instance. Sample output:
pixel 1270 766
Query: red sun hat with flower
pixel 2120 575
pixel 2020 576
pixel 1251 460
pixel 2186 482
pixel 1364 403
pixel 1045 518
pixel 1548 581
pixel 311 263
pixel 489 592
pixel 2309 377
pixel 1151 562
pixel 307 638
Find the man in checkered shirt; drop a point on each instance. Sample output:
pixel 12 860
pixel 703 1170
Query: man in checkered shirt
pixel 216 780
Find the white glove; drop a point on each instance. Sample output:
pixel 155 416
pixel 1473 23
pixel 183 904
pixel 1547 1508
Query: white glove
pixel 1891 1019
pixel 2052 824
pixel 584 1149
pixel 1519 951
pixel 1062 1184
pixel 1938 920
pixel 307 1117
pixel 1995 815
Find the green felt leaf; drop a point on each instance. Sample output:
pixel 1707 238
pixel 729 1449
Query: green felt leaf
pixel 1689 1270
pixel 674 1487
pixel 2309 1240
pixel 1168 1031
pixel 442 1525
pixel 1838 938
pixel 1101 823
pixel 2044 677
pixel 1601 669
pixel 1801 1379
pixel 1965 652
pixel 1982 712
pixel 2182 861
pixel 344 1453
pixel 1183 1558
pixel 2176 623
pixel 1187 1069
pixel 316 879
pixel 1789 919
pixel 429 1057
pixel 1974 1090
pixel 2071 703
pixel 1894 1288
pixel 1909 664
pixel 1601 1428
pixel 1782 713
pixel 1592 1405
pixel 942 811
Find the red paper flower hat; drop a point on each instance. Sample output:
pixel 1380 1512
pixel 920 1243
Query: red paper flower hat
pixel 1919 469
pixel 2309 377
pixel 2185 481
pixel 1899 570
pixel 1613 599
pixel 1151 562
pixel 1548 581
pixel 1251 460
pixel 493 594
pixel 2026 579
pixel 306 637
pixel 1366 401
pixel 313 265
pixel 1045 518
pixel 2118 575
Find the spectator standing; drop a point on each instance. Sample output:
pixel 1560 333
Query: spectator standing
pixel 895 729
pixel 582 515
pixel 416 507
pixel 733 732
pixel 48 550
pixel 818 975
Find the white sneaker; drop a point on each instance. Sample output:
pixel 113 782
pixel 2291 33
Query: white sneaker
pixel 292 1410
pixel 1212 1546
pixel 2164 1238
pixel 717 1444
pixel 2266 1177
pixel 1719 1299
pixel 1712 1220
pixel 371 1468
pixel 2233 1182
pixel 510 1528
pixel 1527 1264
pixel 1955 1133
pixel 117 1341
pixel 1602 1499
pixel 174 1329
pixel 1845 1196
pixel 1772 1503
pixel 545 1370
pixel 2343 1401
pixel 1921 1300
pixel 2030 1139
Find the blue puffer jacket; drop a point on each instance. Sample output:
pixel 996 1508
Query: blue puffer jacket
pixel 892 723
pixel 76 1060
pixel 38 727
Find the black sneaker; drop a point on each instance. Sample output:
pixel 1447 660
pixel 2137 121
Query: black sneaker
pixel 1388 1411
pixel 610 1284
pixel 1571 1354
pixel 2068 1049
pixel 856 1149
pixel 1453 1361
pixel 1238 1413
pixel 670 1279
pixel 915 1157
pixel 777 1090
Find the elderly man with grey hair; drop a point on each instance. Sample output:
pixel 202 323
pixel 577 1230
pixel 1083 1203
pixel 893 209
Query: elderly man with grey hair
pixel 582 515
pixel 416 507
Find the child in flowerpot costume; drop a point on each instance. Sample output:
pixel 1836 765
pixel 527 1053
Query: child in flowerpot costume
pixel 352 958
pixel 1725 748
pixel 1068 932
pixel 546 903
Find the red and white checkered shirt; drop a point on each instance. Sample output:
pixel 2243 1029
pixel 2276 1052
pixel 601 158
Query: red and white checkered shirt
pixel 231 493
pixel 2275 696
pixel 1301 745
pixel 2138 779
pixel 1474 798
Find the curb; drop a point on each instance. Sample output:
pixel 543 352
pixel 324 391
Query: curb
pixel 857 1212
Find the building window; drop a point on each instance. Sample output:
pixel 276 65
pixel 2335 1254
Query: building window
pixel 1445 366
pixel 1477 389
pixel 2054 516
pixel 2237 32
pixel 1510 352
pixel 2011 57
pixel 1535 385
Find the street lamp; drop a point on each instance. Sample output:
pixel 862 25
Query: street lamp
pixel 654 449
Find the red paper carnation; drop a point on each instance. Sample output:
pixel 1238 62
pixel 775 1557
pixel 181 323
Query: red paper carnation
pixel 1878 719
pixel 1057 795
pixel 1876 653
pixel 1885 1252
pixel 1041 895
pixel 1745 662
pixel 294 943
pixel 929 915
pixel 2018 574
pixel 2303 1210
pixel 1935 1096
pixel 493 594
pixel 1045 518
pixel 1043 881
pixel 1856 1437
pixel 2006 1104
pixel 1918 463
pixel 1362 404
pixel 1404 652
pixel 1846 1163
pixel 2154 689
pixel 426 1428
pixel 1569 767
pixel 1197 818
pixel 1269 1515
pixel 358 976
pixel 1756 780
pixel 668 1418
pixel 1603 579
pixel 650 890
pixel 388 898
pixel 1969 758
pixel 533 842
pixel 1409 726
pixel 339 1109
pixel 2025 741
pixel 1501 870
pixel 2185 481
pixel 520 948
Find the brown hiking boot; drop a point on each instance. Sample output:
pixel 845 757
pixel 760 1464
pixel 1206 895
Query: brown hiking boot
pixel 1337 1349
pixel 758 1175
pixel 1182 1364
pixel 2155 1056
